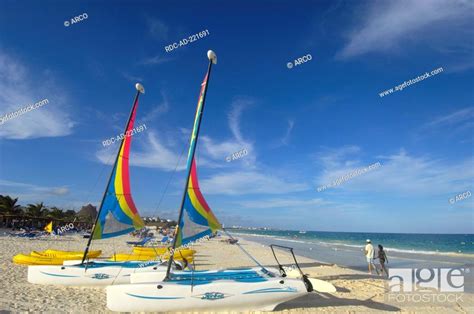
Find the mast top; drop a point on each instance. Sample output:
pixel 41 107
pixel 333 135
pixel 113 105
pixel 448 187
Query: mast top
pixel 140 88
pixel 211 55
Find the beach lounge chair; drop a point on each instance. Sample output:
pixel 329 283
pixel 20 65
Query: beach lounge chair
pixel 140 243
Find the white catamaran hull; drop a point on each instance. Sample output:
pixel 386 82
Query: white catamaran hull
pixel 99 273
pixel 240 293
pixel 156 276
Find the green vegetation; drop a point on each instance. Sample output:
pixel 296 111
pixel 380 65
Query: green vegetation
pixel 36 215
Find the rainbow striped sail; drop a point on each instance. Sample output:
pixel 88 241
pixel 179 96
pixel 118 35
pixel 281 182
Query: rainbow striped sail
pixel 118 214
pixel 198 218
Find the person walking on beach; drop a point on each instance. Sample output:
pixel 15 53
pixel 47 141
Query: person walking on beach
pixel 382 259
pixel 369 254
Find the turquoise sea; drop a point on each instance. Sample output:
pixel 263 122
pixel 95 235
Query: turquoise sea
pixel 415 251
pixel 402 242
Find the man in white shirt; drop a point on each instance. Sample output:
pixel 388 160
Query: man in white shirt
pixel 369 254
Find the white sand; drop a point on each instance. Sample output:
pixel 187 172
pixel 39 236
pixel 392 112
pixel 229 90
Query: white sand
pixel 357 292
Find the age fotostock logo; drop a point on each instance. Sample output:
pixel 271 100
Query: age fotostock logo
pixel 426 279
pixel 425 285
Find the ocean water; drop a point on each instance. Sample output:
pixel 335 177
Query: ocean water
pixel 412 251
pixel 401 242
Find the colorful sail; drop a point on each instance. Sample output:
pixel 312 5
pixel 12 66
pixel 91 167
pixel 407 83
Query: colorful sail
pixel 198 219
pixel 118 214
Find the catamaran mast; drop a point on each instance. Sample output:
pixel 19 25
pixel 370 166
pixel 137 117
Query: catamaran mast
pixel 140 90
pixel 192 149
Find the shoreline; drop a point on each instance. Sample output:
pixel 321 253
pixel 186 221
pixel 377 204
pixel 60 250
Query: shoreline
pixel 352 256
pixel 357 292
pixel 340 243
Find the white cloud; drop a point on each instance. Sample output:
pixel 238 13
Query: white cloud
pixel 18 90
pixel 155 60
pixel 59 191
pixel 388 23
pixel 132 78
pixel 249 182
pixel 153 153
pixel 219 150
pixel 456 125
pixel 31 192
pixel 157 111
pixel 401 174
pixel 156 152
pixel 332 158
pixel 285 140
pixel 157 29
pixel 238 106
pixel 287 203
pixel 457 118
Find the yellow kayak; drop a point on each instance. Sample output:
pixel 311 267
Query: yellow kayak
pixel 51 257
pixel 149 250
pixel 66 255
pixel 187 254
pixel 23 259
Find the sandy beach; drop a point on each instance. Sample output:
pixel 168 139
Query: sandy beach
pixel 357 292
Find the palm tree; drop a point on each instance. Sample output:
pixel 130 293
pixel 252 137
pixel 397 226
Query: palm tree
pixel 55 213
pixel 36 210
pixel 69 214
pixel 9 206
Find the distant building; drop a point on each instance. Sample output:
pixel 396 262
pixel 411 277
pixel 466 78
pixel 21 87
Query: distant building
pixel 88 212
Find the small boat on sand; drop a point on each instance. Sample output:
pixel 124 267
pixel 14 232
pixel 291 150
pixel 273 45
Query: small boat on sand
pixel 117 215
pixel 51 257
pixel 246 289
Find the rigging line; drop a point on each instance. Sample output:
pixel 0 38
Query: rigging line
pixel 246 253
pixel 106 165
pixel 169 181
pixel 163 195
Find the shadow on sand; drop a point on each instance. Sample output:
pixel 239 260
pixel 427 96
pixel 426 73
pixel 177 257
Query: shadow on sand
pixel 316 300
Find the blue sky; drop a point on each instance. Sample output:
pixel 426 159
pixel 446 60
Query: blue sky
pixel 302 127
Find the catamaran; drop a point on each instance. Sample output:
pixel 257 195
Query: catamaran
pixel 257 288
pixel 117 216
